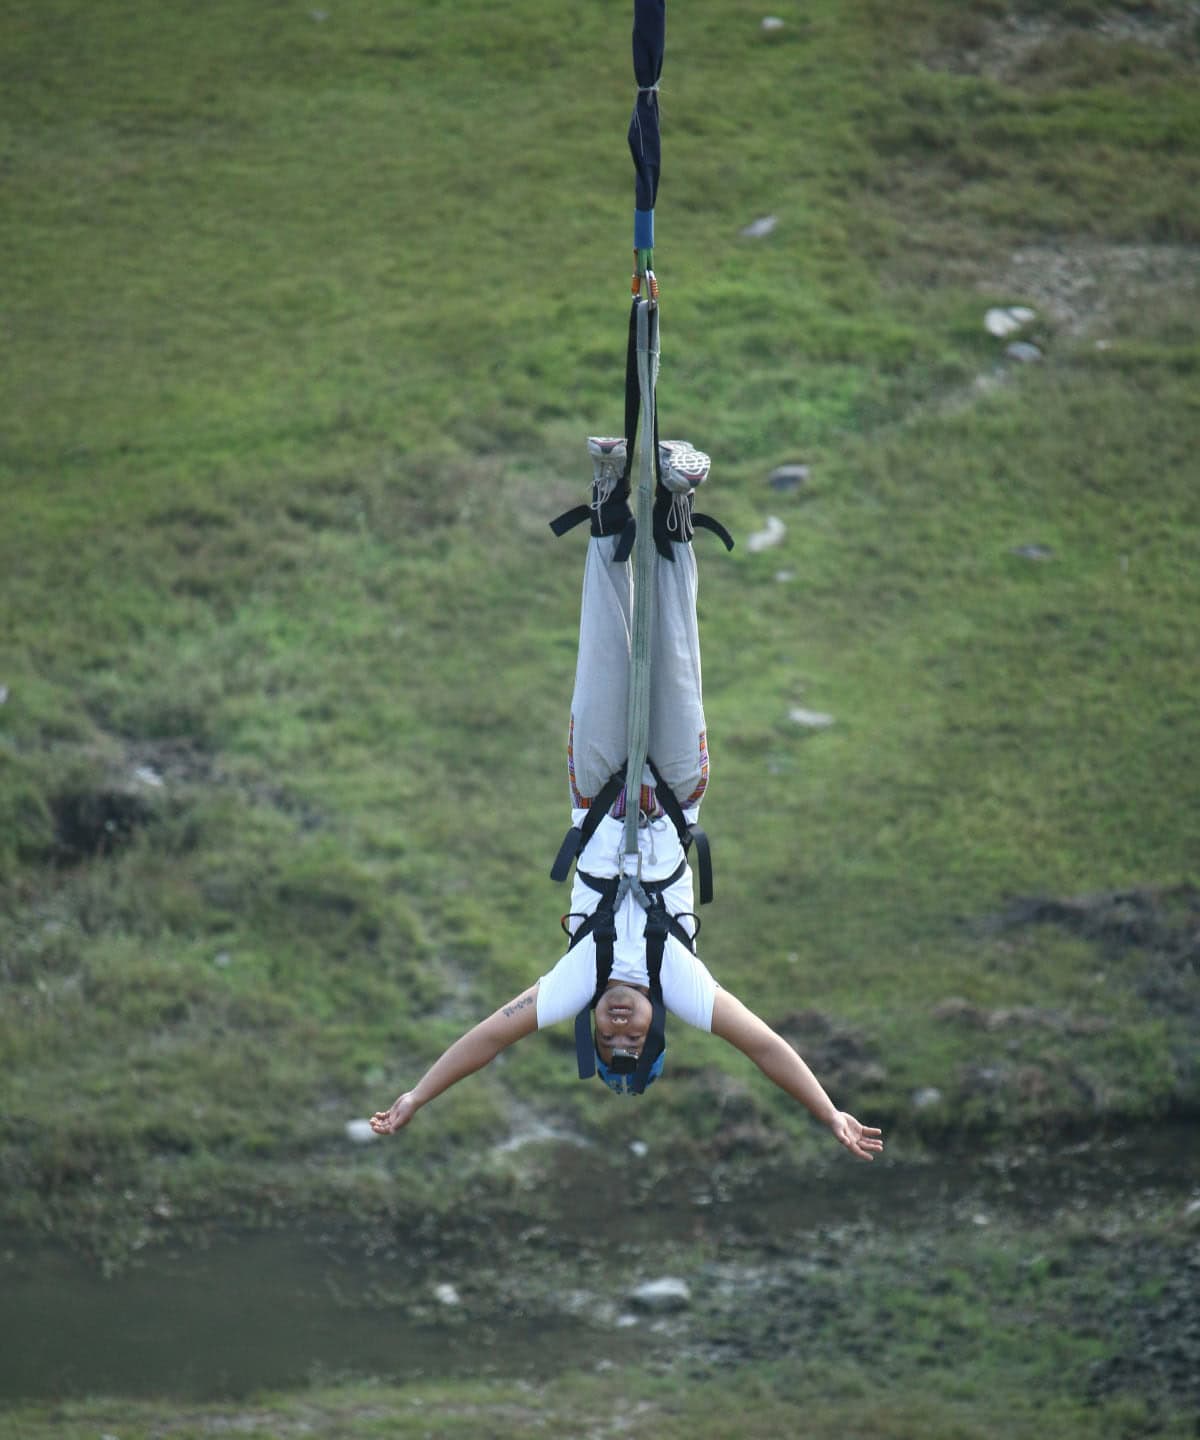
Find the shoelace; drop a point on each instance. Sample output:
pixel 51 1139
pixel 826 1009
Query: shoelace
pixel 679 515
pixel 604 483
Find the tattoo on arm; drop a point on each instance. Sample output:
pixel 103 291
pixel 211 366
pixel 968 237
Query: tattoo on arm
pixel 518 1005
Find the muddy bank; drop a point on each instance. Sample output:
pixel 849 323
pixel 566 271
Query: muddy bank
pixel 929 1262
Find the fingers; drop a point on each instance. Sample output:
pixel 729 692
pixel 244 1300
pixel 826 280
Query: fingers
pixel 396 1117
pixel 861 1140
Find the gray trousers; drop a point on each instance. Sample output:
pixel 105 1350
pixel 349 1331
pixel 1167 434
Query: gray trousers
pixel 677 742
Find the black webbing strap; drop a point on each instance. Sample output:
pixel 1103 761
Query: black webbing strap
pixel 612 518
pixel 602 923
pixel 576 839
pixel 633 393
pixel 657 929
pixel 687 833
pixel 693 520
pixel 570 518
pixel 706 522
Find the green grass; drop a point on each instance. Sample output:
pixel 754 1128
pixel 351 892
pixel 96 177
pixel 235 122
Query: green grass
pixel 760 1405
pixel 304 322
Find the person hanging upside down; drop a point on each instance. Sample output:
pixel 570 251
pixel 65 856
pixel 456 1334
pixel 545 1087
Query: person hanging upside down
pixel 632 938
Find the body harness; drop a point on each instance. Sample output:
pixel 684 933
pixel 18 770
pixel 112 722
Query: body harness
pixel 627 1073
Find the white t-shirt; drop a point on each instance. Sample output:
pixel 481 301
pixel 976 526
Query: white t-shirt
pixel 689 989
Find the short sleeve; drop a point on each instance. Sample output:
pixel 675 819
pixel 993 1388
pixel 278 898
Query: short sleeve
pixel 565 990
pixel 689 990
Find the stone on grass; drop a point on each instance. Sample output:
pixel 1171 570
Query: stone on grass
pixel 788 477
pixel 771 534
pixel 761 227
pixel 771 24
pixel 1004 320
pixel 360 1132
pixel 1023 352
pixel 662 1296
pixel 1032 552
pixel 446 1294
pixel 809 719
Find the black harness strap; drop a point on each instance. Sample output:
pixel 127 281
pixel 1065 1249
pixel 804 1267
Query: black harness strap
pixel 633 394
pixel 612 518
pixel 687 833
pixel 706 522
pixel 576 839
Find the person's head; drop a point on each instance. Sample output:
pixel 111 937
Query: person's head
pixel 621 1028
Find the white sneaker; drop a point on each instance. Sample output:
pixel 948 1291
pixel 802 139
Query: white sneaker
pixel 608 465
pixel 682 467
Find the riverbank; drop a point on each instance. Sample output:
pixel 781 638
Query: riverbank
pixel 1023 1294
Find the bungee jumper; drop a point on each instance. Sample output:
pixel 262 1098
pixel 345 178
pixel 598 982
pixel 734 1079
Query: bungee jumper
pixel 636 711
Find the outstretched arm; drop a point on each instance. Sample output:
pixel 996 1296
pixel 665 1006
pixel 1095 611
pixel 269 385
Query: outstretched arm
pixel 738 1024
pixel 471 1052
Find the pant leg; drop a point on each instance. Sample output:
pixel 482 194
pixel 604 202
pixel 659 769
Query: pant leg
pixel 678 742
pixel 596 742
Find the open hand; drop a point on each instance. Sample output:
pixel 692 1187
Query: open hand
pixel 862 1140
pixel 387 1122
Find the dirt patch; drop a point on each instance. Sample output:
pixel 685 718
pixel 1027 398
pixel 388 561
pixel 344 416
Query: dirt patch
pixel 1013 48
pixel 1163 925
pixel 1080 287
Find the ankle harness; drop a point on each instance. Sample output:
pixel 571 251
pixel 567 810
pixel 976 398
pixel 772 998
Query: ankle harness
pixel 674 516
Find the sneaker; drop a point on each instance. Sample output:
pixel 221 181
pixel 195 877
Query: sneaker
pixel 608 466
pixel 682 467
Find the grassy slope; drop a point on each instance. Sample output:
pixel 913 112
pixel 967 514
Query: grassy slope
pixel 305 321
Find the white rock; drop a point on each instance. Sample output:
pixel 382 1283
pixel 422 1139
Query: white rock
pixel 924 1098
pixel 810 719
pixel 771 534
pixel 668 1293
pixel 1005 320
pixel 1023 352
pixel 446 1294
pixel 147 775
pixel 360 1132
pixel 772 23
pixel 757 229
pixel 639 1148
